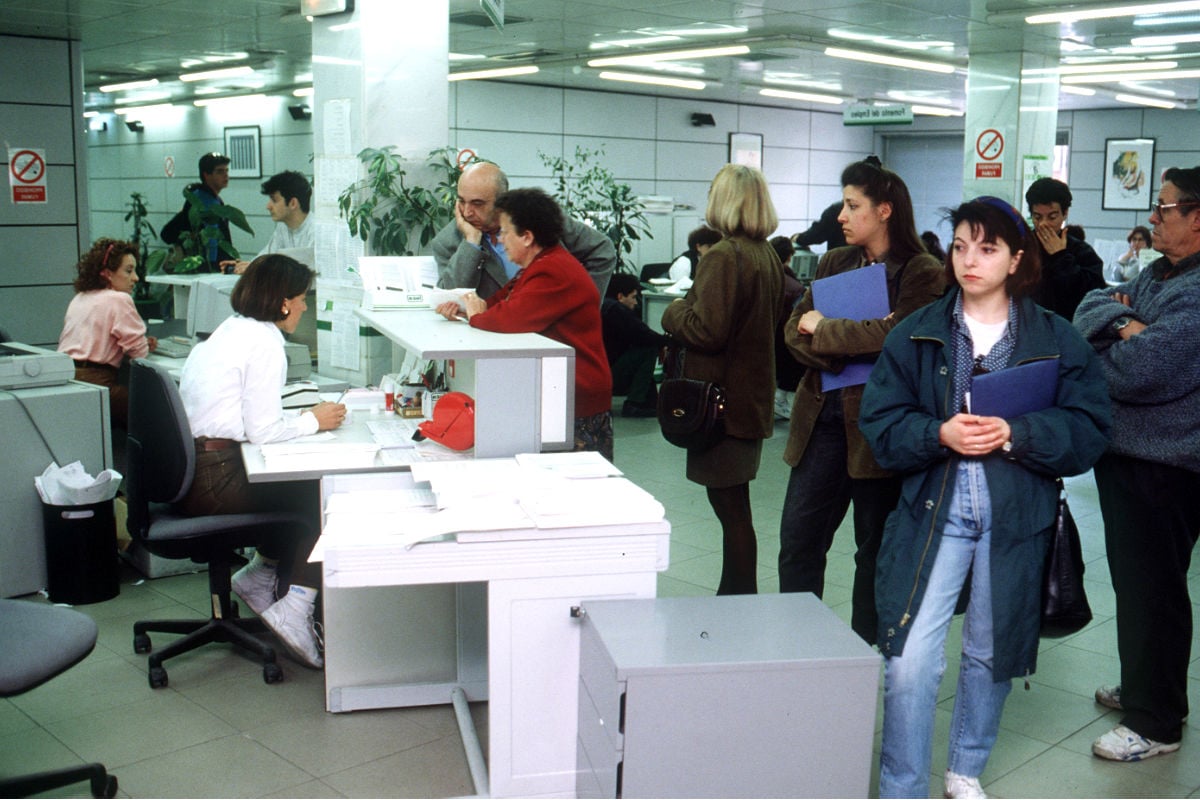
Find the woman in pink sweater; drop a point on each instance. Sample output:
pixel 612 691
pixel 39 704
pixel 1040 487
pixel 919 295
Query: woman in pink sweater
pixel 102 325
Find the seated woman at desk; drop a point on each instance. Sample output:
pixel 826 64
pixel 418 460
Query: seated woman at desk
pixel 231 387
pixel 551 294
pixel 102 325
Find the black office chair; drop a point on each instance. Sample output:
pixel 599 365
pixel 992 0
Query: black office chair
pixel 161 463
pixel 38 642
pixel 655 270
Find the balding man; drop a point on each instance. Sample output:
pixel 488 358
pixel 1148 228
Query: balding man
pixel 1147 333
pixel 468 253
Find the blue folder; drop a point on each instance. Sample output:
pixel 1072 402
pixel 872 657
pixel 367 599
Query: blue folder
pixel 857 294
pixel 1010 393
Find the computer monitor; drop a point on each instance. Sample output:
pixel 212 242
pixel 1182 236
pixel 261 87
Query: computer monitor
pixel 208 304
pixel 804 264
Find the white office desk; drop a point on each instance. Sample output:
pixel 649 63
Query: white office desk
pixel 523 383
pixel 395 637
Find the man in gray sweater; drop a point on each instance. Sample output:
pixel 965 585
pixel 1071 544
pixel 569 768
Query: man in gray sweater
pixel 1149 480
pixel 468 253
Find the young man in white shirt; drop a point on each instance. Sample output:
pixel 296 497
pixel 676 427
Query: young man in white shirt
pixel 288 196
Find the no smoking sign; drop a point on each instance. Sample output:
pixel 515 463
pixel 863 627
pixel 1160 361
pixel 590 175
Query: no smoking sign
pixel 27 175
pixel 989 146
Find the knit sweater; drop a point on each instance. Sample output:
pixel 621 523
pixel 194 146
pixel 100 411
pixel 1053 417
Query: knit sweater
pixel 1153 377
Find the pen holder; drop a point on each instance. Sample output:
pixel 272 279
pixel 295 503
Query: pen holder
pixel 408 395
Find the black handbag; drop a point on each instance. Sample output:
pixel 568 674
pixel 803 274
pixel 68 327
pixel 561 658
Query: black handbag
pixel 690 412
pixel 1065 608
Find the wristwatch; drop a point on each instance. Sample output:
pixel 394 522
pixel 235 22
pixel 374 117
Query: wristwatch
pixel 1119 324
pixel 1006 448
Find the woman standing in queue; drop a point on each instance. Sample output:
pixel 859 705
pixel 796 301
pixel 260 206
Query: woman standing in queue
pixel 831 463
pixel 979 496
pixel 102 325
pixel 231 388
pixel 551 294
pixel 727 323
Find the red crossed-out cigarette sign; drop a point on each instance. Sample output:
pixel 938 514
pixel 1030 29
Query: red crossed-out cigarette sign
pixel 989 146
pixel 27 175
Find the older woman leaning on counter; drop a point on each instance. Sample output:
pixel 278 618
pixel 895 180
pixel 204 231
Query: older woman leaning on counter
pixel 727 321
pixel 551 294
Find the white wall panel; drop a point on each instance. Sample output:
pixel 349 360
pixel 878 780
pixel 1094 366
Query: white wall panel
pixel 607 114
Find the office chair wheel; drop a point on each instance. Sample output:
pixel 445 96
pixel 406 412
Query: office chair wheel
pixel 106 787
pixel 141 643
pixel 158 678
pixel 272 673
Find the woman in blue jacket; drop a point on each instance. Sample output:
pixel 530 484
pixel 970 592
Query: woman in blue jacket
pixel 978 498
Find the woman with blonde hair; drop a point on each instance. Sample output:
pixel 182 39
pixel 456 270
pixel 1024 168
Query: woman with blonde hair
pixel 727 323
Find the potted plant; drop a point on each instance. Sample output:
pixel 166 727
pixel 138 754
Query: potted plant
pixel 589 192
pixel 203 228
pixel 142 233
pixel 394 215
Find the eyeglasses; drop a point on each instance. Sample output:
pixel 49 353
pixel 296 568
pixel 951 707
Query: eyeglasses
pixel 1160 207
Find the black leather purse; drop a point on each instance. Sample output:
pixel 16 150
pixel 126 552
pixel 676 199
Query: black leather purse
pixel 690 412
pixel 1065 608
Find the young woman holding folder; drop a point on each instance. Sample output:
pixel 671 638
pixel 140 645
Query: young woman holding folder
pixel 831 464
pixel 977 504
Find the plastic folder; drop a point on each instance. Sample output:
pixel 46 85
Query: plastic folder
pixel 858 294
pixel 1009 393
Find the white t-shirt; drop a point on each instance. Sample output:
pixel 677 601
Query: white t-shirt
pixel 284 238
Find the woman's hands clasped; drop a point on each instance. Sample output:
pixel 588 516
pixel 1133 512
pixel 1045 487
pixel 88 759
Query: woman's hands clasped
pixel 329 415
pixel 971 435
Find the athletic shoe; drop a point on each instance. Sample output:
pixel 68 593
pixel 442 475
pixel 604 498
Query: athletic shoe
pixel 255 585
pixel 1124 744
pixel 291 619
pixel 962 786
pixel 1110 696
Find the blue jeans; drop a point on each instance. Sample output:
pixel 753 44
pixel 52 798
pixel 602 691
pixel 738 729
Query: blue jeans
pixel 910 682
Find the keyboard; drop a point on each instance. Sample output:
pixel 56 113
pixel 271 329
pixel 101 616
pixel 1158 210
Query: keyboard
pixel 174 347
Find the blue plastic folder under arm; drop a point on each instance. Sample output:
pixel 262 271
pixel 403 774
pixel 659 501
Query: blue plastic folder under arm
pixel 858 294
pixel 1010 393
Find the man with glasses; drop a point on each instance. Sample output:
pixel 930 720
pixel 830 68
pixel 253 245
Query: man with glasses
pixel 1148 335
pixel 214 176
pixel 1070 267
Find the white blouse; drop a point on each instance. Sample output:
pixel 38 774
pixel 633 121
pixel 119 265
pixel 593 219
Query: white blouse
pixel 231 385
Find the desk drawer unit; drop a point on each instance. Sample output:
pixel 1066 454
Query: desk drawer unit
pixel 711 696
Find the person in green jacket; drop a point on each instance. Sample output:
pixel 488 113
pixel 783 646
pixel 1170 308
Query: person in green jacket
pixel 978 498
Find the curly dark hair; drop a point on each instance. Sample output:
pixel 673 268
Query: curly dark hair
pixel 535 211
pixel 267 283
pixel 105 254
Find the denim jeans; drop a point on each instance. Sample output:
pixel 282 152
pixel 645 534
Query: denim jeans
pixel 911 679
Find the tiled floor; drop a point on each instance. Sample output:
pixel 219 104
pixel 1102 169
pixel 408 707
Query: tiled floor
pixel 219 731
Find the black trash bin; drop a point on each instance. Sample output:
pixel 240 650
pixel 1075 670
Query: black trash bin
pixel 81 553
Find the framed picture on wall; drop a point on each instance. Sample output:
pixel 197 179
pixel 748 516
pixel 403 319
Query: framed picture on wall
pixel 746 149
pixel 244 148
pixel 1128 173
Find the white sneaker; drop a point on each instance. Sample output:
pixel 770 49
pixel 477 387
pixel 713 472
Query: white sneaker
pixel 783 404
pixel 1126 744
pixel 962 786
pixel 255 585
pixel 291 619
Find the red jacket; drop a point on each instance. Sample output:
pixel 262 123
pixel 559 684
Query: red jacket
pixel 554 296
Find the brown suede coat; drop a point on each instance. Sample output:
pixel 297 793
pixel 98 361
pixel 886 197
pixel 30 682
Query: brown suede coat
pixel 910 286
pixel 727 322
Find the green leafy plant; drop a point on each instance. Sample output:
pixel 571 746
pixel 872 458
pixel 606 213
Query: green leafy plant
pixel 589 192
pixel 204 228
pixel 142 234
pixel 394 217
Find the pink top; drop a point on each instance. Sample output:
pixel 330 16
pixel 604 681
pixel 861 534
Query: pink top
pixel 103 326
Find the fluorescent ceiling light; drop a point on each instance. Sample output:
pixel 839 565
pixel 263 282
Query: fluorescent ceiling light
pixel 90 114
pixel 674 55
pixel 1153 102
pixel 705 29
pixel 215 74
pixel 121 87
pixel 303 91
pixel 887 41
pixel 500 72
pixel 801 80
pixel 1082 91
pixel 1085 69
pixel 1158 41
pixel 1112 12
pixel 337 62
pixel 125 110
pixel 640 41
pixel 1141 87
pixel 466 57
pixel 890 61
pixel 1165 19
pixel 654 80
pixel 1130 50
pixel 144 97
pixel 807 97
pixel 220 101
pixel 1117 77
pixel 935 111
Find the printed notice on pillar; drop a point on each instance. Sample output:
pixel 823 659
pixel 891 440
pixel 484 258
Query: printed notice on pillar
pixel 27 175
pixel 989 146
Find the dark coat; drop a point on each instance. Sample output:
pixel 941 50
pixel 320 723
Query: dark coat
pixel 903 407
pixel 727 322
pixel 1067 276
pixel 910 286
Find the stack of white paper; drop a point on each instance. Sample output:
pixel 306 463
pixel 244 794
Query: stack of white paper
pixel 296 455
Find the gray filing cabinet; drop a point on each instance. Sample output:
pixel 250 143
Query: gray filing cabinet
pixel 737 696
pixel 62 423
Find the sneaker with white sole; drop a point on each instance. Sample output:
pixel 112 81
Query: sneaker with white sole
pixel 256 586
pixel 1125 744
pixel 1110 697
pixel 291 619
pixel 962 786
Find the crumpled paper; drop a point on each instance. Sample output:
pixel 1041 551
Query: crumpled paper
pixel 73 486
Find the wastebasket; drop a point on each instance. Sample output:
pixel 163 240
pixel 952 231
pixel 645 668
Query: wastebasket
pixel 81 553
